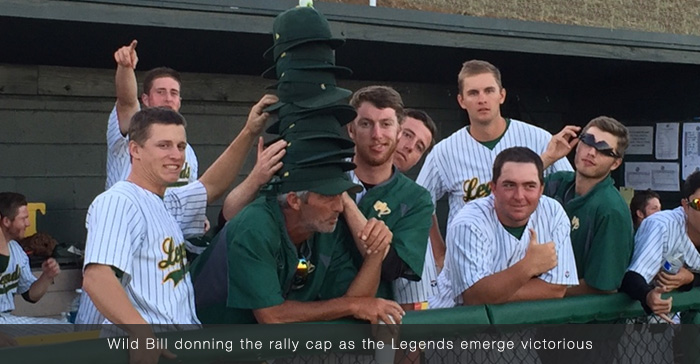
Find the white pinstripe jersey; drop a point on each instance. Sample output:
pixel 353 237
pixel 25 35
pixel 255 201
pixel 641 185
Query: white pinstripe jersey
pixel 119 159
pixel 142 235
pixel 462 167
pixel 479 245
pixel 17 277
pixel 406 291
pixel 660 235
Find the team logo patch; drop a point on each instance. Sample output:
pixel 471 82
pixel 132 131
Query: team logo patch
pixel 175 257
pixel 575 223
pixel 382 208
pixel 473 190
pixel 567 274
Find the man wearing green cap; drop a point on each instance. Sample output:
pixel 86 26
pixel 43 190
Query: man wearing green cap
pixel 388 195
pixel 283 257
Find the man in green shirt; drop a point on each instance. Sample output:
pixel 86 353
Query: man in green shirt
pixel 283 258
pixel 601 227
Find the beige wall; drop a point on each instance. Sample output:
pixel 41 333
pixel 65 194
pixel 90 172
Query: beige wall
pixel 663 16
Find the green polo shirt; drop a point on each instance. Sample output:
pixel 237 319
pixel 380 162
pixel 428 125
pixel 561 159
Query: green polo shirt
pixel 261 262
pixel 601 229
pixel 406 208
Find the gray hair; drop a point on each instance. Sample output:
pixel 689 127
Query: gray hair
pixel 282 199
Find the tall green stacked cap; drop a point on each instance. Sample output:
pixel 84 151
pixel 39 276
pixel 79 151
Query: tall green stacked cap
pixel 311 108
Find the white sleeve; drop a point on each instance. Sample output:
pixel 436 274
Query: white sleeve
pixel 193 163
pixel 558 222
pixel 115 229
pixel 188 205
pixel 650 243
pixel 471 254
pixel 118 158
pixel 430 176
pixel 26 277
pixel 116 142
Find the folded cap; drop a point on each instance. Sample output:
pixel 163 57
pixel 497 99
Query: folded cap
pixel 298 26
pixel 326 119
pixel 310 56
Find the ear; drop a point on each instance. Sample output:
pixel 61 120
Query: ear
pixel 351 129
pixel 5 221
pixel 616 163
pixel 492 186
pixel 640 215
pixel 294 201
pixel 144 99
pixel 460 101
pixel 503 96
pixel 134 149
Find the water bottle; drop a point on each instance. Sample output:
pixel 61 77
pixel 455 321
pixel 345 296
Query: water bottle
pixel 672 263
pixel 74 305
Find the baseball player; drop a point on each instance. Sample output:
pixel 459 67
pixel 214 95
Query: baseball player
pixel 460 165
pixel 417 137
pixel 661 236
pixel 494 242
pixel 601 226
pixel 161 88
pixel 388 195
pixel 15 274
pixel 137 229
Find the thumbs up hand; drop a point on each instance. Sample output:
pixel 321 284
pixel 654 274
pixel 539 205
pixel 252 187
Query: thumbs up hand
pixel 541 258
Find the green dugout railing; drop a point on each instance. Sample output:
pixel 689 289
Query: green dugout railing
pixel 443 323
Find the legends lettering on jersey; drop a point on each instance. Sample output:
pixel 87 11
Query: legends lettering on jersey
pixel 184 178
pixel 473 190
pixel 9 281
pixel 175 257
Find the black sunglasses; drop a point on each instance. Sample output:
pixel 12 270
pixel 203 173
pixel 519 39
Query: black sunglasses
pixel 602 147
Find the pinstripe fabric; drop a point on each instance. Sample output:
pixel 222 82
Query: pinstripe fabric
pixel 137 232
pixel 119 160
pixel 662 234
pixel 17 277
pixel 461 167
pixel 479 246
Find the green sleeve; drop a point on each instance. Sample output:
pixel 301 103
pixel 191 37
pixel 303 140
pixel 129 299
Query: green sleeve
pixel 341 271
pixel 252 266
pixel 411 233
pixel 611 249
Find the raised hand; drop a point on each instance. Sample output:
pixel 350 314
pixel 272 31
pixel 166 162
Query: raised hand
pixel 257 117
pixel 561 144
pixel 541 257
pixel 126 55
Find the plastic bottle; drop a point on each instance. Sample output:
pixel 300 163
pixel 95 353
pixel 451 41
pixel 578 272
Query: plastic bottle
pixel 672 263
pixel 74 305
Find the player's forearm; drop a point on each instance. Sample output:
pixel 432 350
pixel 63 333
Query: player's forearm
pixel 239 197
pixel 39 288
pixel 498 287
pixel 537 289
pixel 295 311
pixel 356 222
pixel 584 288
pixel 366 281
pixel 224 170
pixel 437 243
pixel 109 297
pixel 127 96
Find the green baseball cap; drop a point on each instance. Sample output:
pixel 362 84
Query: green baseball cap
pixel 310 56
pixel 325 178
pixel 298 26
pixel 308 95
pixel 327 119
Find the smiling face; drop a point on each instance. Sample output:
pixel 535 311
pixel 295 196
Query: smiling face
pixel 375 132
pixel 593 164
pixel 165 92
pixel 414 140
pixel 481 97
pixel 16 227
pixel 516 193
pixel 159 160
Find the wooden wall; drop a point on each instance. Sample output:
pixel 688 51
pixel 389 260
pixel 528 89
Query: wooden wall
pixel 53 122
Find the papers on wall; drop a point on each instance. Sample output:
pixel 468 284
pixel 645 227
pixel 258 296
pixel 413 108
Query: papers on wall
pixel 641 140
pixel 657 176
pixel 691 148
pixel 667 141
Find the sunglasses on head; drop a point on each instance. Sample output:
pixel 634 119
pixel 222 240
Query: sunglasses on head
pixel 602 147
pixel 694 203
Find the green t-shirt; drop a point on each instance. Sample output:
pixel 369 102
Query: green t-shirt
pixel 601 229
pixel 261 262
pixel 406 208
